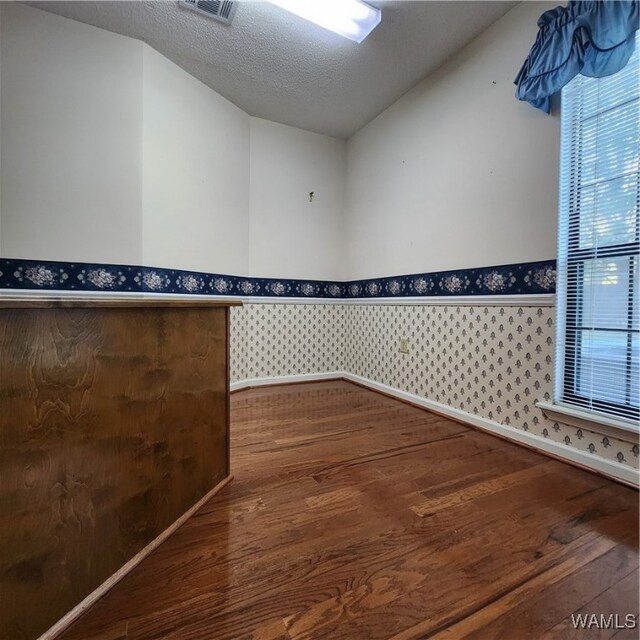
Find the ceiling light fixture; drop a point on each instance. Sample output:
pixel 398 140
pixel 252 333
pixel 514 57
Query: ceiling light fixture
pixel 352 19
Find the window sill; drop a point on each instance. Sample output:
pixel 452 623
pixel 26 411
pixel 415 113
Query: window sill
pixel 615 427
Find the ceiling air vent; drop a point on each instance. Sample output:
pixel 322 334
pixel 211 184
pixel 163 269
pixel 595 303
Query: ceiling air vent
pixel 221 10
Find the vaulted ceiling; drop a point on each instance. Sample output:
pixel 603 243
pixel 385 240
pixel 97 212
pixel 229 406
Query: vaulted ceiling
pixel 276 66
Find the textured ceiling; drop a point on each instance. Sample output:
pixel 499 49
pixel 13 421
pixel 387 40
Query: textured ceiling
pixel 279 67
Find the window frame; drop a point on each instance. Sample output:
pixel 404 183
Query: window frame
pixel 570 313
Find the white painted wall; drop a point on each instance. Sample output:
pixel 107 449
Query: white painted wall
pixel 0 136
pixel 457 173
pixel 195 173
pixel 110 153
pixel 291 237
pixel 71 140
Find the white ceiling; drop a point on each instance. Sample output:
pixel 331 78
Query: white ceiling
pixel 278 67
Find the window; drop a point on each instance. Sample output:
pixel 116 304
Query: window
pixel 598 357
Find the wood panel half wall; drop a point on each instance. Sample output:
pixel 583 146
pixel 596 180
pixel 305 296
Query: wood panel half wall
pixel 114 421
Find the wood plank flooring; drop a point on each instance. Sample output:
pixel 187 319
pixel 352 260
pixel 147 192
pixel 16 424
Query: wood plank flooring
pixel 355 516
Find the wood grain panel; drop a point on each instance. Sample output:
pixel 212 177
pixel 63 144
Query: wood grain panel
pixel 355 516
pixel 113 422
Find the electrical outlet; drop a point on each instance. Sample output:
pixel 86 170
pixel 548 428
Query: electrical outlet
pixel 404 345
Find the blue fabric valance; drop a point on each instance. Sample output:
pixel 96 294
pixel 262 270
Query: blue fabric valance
pixel 595 39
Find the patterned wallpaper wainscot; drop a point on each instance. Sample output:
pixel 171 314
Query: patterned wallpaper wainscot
pixel 515 279
pixel 282 340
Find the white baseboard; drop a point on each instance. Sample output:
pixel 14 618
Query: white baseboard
pixel 302 377
pixel 587 461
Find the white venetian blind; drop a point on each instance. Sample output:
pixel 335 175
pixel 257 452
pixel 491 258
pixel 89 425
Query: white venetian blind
pixel 598 358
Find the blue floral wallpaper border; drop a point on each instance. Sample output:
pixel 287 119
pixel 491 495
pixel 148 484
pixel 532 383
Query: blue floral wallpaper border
pixel 524 278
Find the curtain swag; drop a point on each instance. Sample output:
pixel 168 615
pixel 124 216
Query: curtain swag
pixel 595 39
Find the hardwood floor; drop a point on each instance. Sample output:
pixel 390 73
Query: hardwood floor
pixel 356 516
